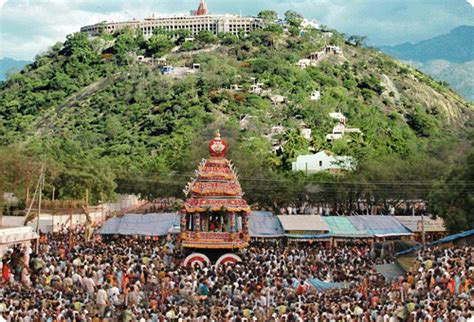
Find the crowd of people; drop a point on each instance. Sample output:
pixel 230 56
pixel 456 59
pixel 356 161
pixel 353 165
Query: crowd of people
pixel 162 205
pixel 129 279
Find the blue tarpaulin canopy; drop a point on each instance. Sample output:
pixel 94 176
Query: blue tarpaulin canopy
pixel 110 227
pixel 324 286
pixel 264 224
pixel 379 226
pixel 451 238
pixel 446 239
pixel 155 224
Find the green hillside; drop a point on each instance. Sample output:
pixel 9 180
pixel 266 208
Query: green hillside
pixel 103 121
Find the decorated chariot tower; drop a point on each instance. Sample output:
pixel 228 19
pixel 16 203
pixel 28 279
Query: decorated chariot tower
pixel 214 215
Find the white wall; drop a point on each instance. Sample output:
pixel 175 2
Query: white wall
pixel 123 202
pixel 14 236
pixel 48 221
pixel 320 162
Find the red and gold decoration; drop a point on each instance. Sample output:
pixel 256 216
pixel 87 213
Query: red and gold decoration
pixel 215 215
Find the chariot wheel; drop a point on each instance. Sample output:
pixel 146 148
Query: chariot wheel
pixel 228 258
pixel 196 259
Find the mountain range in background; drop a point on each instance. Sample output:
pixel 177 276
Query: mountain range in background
pixel 10 65
pixel 448 58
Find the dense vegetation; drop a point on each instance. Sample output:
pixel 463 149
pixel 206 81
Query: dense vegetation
pixel 98 120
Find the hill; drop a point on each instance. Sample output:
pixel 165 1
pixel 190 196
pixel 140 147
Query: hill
pixel 102 117
pixel 456 46
pixel 10 65
pixel 458 76
pixel 448 58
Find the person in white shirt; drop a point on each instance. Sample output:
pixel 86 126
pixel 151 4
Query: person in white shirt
pixel 114 295
pixel 101 301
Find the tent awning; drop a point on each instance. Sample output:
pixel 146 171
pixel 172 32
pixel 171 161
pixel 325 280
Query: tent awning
pixel 110 227
pixel 340 226
pixel 303 223
pixel 379 226
pixel 155 224
pixel 264 224
pixel 451 238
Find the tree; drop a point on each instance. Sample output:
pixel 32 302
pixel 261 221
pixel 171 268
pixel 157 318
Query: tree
pixel 268 15
pixel 452 198
pixel 274 28
pixel 228 38
pixel 158 45
pixel 206 37
pixel 180 35
pixel 79 47
pixel 18 172
pixel 125 44
pixel 188 45
pixel 294 145
pixel 293 18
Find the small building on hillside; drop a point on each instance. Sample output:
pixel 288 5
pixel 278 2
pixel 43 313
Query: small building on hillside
pixel 337 132
pixel 303 63
pixel 338 116
pixel 256 88
pixel 340 129
pixel 150 60
pixel 305 130
pixel 236 87
pixel 277 129
pixel 323 161
pixel 315 95
pixel 336 50
pixel 306 133
pixel 277 99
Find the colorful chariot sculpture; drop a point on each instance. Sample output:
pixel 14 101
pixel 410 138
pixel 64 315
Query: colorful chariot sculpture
pixel 214 215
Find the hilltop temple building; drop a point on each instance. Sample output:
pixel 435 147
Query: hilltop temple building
pixel 199 20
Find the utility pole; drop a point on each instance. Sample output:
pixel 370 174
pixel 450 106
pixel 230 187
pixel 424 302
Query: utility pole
pixel 423 231
pixel 41 186
pixel 87 197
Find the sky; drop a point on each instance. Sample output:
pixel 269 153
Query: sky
pixel 29 27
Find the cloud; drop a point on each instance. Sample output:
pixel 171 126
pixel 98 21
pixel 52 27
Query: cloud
pixel 28 27
pixel 471 2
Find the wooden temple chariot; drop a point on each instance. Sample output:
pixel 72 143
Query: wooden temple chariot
pixel 215 216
